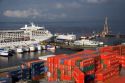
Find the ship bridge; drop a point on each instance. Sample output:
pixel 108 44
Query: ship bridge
pixel 32 27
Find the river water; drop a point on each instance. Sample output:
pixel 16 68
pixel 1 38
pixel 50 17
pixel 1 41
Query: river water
pixel 17 59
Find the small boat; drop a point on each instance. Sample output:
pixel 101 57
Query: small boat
pixel 32 48
pixel 38 47
pixel 43 47
pixel 4 52
pixel 50 47
pixel 26 49
pixel 19 50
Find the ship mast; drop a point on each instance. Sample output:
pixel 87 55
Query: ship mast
pixel 106 28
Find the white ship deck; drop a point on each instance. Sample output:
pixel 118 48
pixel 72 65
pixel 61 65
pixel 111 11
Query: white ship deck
pixel 11 31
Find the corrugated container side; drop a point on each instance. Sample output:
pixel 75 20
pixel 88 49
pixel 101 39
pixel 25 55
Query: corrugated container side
pixel 5 80
pixel 38 77
pixel 78 75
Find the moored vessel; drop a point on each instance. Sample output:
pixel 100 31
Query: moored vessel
pixel 32 48
pixel 19 49
pixel 5 52
pixel 88 42
pixel 25 36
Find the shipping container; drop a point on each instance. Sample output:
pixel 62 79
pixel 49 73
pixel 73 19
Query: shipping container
pixel 27 64
pixel 78 75
pixel 5 80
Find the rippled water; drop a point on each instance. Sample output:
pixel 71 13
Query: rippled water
pixel 17 59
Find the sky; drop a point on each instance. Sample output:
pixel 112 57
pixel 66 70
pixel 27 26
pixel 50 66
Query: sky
pixel 61 10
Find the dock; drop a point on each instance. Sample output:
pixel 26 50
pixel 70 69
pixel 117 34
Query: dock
pixel 70 46
pixel 115 35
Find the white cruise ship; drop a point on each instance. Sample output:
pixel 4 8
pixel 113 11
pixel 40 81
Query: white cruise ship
pixel 25 36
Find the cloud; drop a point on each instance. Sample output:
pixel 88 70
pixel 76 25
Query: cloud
pixel 95 1
pixel 21 13
pixel 73 4
pixel 35 13
pixel 59 5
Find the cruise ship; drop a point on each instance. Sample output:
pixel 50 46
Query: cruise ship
pixel 25 36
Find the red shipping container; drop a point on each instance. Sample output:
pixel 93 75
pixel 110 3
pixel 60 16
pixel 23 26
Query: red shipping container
pixel 52 79
pixel 78 76
pixel 69 62
pixel 38 77
pixel 98 67
pixel 90 72
pixel 87 62
pixel 66 77
pixel 80 81
pixel 123 65
pixel 89 51
pixel 59 57
pixel 51 69
pixel 50 59
pixel 106 74
pixel 61 67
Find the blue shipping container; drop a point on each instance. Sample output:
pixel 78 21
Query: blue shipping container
pixel 5 80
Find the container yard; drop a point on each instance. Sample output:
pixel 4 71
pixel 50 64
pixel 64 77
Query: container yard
pixel 89 66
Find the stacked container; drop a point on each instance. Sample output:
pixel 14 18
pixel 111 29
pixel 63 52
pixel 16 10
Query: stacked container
pixel 26 75
pixel 121 60
pixel 105 74
pixel 88 67
pixel 62 66
pixel 37 70
pixel 78 75
pixel 110 67
pixel 5 80
pixel 34 69
pixel 16 75
pixel 54 67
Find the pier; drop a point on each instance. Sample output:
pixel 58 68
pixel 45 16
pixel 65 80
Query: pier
pixel 115 35
pixel 12 44
pixel 69 46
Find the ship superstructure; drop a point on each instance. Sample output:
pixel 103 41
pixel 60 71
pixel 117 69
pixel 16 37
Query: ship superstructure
pixel 25 34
